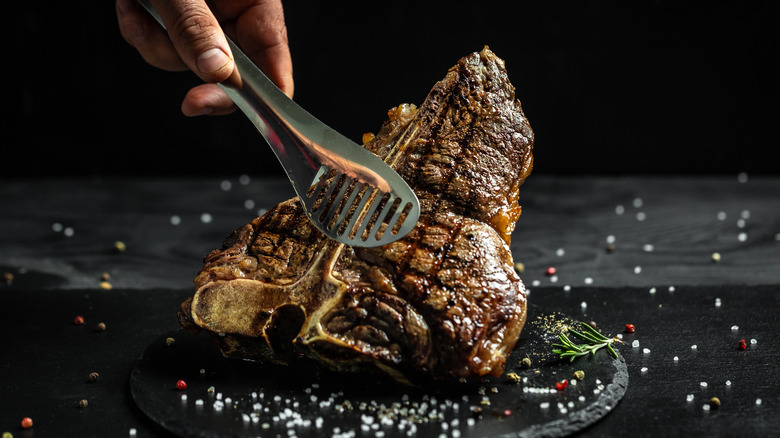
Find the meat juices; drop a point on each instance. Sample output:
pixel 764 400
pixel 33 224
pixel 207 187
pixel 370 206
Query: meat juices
pixel 443 302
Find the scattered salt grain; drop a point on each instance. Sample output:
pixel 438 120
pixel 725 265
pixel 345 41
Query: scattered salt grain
pixel 652 290
pixel 611 238
pixel 566 288
pixel 703 384
pixel 544 405
pixel 689 397
pixel 641 216
pixel 583 304
pixel 635 344
pixel 646 351
pixel 644 370
pixel 718 302
pixel 721 215
pixel 637 269
pixel 68 232
pixel 742 237
pixel 693 347
pixel 225 185
pixel 734 328
pixel 132 431
pixel 742 177
pixel 619 210
pixel 728 382
pixel 671 289
pixel 588 280
pixel 175 220
pixel 705 406
pixel 758 401
pixel 560 252
pixel 56 227
pixel 648 247
pixel 206 218
pixel 249 204
pixel 753 341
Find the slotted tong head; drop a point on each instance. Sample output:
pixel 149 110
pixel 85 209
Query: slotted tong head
pixel 350 194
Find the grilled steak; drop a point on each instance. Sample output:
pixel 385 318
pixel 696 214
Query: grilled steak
pixel 442 302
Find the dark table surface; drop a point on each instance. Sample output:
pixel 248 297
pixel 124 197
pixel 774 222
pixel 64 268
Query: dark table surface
pixel 637 250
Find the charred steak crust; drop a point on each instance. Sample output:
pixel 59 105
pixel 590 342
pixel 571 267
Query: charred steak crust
pixel 443 302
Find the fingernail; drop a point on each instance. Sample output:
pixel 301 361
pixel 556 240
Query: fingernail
pixel 212 60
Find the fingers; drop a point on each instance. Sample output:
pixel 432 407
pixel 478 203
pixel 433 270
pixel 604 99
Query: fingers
pixel 197 37
pixel 141 31
pixel 262 34
pixel 207 99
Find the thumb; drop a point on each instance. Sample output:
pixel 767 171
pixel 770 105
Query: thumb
pixel 197 37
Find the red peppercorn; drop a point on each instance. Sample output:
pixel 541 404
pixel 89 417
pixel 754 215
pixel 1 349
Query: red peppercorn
pixel 630 328
pixel 550 271
pixel 27 423
pixel 560 386
pixel 181 384
pixel 507 412
pixel 79 320
pixel 742 344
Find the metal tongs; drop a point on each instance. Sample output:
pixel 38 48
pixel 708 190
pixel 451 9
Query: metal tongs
pixel 347 192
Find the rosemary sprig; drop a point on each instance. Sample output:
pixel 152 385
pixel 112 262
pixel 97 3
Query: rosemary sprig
pixel 593 341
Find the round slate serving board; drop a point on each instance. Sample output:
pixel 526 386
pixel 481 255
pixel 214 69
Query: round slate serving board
pixel 228 397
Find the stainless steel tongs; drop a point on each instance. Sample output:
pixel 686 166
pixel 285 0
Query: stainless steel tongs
pixel 350 194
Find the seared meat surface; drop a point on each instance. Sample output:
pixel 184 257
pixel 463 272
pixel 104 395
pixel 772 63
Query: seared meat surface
pixel 442 302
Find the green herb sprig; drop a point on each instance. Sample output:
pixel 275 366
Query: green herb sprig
pixel 594 341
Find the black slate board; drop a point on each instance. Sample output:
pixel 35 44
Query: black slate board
pixel 228 397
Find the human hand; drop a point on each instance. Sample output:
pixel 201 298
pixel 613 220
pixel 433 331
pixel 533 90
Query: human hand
pixel 194 40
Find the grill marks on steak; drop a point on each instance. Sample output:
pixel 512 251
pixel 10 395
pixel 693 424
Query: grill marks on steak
pixel 444 301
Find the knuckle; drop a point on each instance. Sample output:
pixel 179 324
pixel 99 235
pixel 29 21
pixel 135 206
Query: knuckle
pixel 196 27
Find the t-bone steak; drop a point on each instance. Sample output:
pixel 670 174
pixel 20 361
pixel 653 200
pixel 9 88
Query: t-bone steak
pixel 443 302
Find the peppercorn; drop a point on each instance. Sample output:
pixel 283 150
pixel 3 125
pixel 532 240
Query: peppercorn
pixel 181 384
pixel 105 276
pixel 367 137
pixel 630 328
pixel 101 326
pixel 8 435
pixel 513 377
pixel 27 423
pixel 715 402
pixel 8 277
pixel 742 344
pixel 526 362
pixel 105 285
pixel 579 374
pixel 78 320
pixel 519 267
pixel 83 403
pixel 611 248
pixel 560 386
pixel 93 377
pixel 170 341
pixel 119 246
pixel 550 271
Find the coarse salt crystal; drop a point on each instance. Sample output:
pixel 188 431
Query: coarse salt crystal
pixel 703 384
pixel 637 269
pixel 693 347
pixel 753 341
pixel 689 397
pixel 588 280
pixel 644 369
pixel 758 401
pixel 635 344
pixel 676 359
pixel 734 328
pixel 646 351
pixel 652 290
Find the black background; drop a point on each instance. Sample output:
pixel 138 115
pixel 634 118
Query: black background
pixel 610 87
